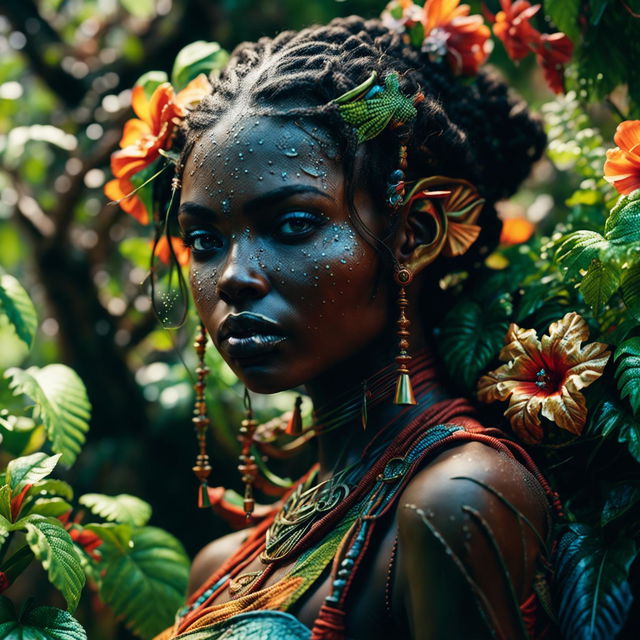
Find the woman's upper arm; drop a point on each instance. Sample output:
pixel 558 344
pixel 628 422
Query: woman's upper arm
pixel 465 561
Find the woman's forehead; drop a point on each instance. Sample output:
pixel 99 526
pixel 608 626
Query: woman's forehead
pixel 253 154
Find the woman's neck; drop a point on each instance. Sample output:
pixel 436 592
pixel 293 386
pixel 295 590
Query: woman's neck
pixel 338 399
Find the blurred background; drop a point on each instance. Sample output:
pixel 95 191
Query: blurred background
pixel 66 72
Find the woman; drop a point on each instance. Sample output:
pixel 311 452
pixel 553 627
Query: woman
pixel 314 223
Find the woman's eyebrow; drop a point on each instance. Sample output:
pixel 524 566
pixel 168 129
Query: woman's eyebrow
pixel 282 193
pixel 195 209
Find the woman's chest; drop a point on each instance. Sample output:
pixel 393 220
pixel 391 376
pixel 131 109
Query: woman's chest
pixel 368 609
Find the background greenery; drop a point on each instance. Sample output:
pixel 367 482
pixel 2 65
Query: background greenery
pixel 66 70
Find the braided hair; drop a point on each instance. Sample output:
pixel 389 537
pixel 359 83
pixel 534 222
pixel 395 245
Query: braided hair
pixel 478 130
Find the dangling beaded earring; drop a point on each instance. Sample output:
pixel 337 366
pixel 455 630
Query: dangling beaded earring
pixel 202 468
pixel 396 185
pixel 404 390
pixel 247 467
pixel 294 426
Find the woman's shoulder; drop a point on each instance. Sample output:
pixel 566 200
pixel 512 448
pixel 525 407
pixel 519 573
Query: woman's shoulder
pixel 211 557
pixel 482 509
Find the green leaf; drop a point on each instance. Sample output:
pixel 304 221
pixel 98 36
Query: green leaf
pixel 578 250
pixel 16 304
pixel 471 337
pixel 612 419
pixel 61 403
pixel 591 577
pixel 151 80
pixel 5 502
pixel 628 371
pixel 623 224
pixel 17 563
pixel 51 488
pixel 619 501
pixel 564 15
pixel 196 58
pixel 631 290
pixel 117 536
pixel 122 508
pixel 53 507
pixel 53 546
pixel 29 469
pixel 599 284
pixel 38 623
pixel 146 583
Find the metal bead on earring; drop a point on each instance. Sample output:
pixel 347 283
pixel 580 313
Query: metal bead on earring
pixel 248 467
pixel 404 390
pixel 202 468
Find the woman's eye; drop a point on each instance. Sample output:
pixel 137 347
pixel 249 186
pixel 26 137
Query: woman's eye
pixel 297 224
pixel 202 241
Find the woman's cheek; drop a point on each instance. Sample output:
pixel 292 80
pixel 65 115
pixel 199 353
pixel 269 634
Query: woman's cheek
pixel 204 284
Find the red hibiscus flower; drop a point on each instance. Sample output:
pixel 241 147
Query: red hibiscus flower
pixel 512 27
pixel 622 167
pixel 545 376
pixel 452 33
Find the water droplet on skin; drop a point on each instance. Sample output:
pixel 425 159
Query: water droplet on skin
pixel 343 261
pixel 284 175
pixel 269 162
pixel 291 153
pixel 314 173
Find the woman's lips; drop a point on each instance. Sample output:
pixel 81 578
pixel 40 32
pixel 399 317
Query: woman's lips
pixel 251 346
pixel 249 335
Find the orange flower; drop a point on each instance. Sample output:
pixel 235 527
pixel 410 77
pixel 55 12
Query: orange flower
pixel 553 52
pixel 143 137
pixel 163 251
pixel 450 31
pixel 622 167
pixel 512 27
pixel 118 190
pixel 516 231
pixel 545 376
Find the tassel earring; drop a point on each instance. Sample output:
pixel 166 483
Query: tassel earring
pixel 247 467
pixel 404 390
pixel 202 469
pixel 294 426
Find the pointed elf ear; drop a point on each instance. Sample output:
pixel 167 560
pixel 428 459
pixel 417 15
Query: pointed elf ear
pixel 439 215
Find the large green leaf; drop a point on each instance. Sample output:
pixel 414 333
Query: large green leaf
pixel 631 290
pixel 612 419
pixel 122 508
pixel 53 546
pixel 591 576
pixel 471 337
pixel 5 502
pixel 61 403
pixel 16 304
pixel 146 582
pixel 38 623
pixel 627 356
pixel 578 250
pixel 619 501
pixel 623 224
pixel 29 469
pixel 196 58
pixel 599 284
pixel 564 15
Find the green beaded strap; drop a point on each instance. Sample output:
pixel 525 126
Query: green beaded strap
pixel 370 107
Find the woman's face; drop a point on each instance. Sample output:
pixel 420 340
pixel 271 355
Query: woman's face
pixel 283 282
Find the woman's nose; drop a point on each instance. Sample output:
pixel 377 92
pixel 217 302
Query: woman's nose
pixel 240 278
